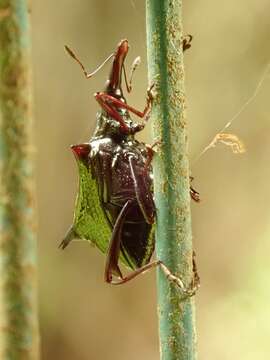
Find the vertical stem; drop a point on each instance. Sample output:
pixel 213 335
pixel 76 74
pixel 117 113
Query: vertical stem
pixel 18 321
pixel 171 177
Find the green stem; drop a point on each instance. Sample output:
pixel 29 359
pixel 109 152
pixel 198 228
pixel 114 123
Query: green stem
pixel 171 177
pixel 18 300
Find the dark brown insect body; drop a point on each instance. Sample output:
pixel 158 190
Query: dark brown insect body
pixel 121 169
pixel 116 167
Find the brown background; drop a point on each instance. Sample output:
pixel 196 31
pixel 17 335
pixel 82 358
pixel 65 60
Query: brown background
pixel 83 318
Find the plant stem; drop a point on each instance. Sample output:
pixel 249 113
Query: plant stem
pixel 171 177
pixel 18 300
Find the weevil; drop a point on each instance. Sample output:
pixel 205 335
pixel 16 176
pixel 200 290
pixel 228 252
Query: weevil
pixel 115 208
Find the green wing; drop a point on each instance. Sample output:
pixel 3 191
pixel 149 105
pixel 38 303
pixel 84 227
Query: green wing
pixel 90 222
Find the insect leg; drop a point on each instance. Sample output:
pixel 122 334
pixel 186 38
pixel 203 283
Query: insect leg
pixel 193 193
pixel 187 42
pixel 143 193
pixel 188 291
pixel 113 257
pixel 111 266
pixel 114 103
pixel 196 278
pixel 150 153
pixel 110 104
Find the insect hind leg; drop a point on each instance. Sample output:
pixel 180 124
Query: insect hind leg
pixel 187 291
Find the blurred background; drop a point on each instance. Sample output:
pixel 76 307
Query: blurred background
pixel 82 318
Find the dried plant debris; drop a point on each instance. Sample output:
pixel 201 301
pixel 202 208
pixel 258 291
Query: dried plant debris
pixel 231 140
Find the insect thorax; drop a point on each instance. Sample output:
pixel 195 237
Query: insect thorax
pixel 107 126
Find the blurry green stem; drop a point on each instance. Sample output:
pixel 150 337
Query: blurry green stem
pixel 171 177
pixel 19 325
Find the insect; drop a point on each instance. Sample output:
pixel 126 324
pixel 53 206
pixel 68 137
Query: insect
pixel 114 208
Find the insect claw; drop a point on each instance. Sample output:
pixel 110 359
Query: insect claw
pixel 187 42
pixel 151 95
pixel 195 195
pixel 193 287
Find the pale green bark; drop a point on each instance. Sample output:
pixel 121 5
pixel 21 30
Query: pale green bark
pixel 171 177
pixel 18 318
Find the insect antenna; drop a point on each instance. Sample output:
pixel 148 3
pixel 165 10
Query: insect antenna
pixel 134 66
pixel 86 74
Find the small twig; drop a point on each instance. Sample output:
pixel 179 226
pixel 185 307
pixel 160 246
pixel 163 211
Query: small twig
pixel 165 43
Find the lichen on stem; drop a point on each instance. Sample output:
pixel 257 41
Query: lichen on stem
pixel 18 300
